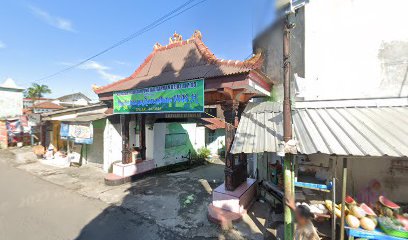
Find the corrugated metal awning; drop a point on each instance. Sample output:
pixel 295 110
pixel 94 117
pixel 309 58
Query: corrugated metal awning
pixel 359 131
pixel 348 131
pixel 87 118
pixel 260 129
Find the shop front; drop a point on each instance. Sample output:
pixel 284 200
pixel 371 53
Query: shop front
pixel 162 109
pixel 346 149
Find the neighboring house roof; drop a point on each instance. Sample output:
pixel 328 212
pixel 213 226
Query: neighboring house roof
pixel 344 131
pixel 77 95
pixel 213 123
pixel 47 105
pixel 10 84
pixel 181 61
pixel 27 111
pixel 78 114
pixel 74 110
pixel 37 99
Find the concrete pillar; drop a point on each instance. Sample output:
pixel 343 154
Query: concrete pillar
pixel 126 153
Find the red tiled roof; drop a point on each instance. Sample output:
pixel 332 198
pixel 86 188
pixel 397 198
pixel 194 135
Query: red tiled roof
pixel 27 111
pixel 48 105
pixel 215 123
pixel 181 61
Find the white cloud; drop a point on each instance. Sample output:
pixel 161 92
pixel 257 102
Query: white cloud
pixel 55 21
pixel 118 62
pixel 2 44
pixel 101 69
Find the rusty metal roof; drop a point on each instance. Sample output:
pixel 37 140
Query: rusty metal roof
pixel 346 131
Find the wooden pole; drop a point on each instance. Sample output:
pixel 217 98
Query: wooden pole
pixel 287 129
pixel 343 197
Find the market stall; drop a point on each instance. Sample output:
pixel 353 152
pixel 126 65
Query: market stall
pixel 369 138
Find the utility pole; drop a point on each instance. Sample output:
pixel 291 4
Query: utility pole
pixel 287 129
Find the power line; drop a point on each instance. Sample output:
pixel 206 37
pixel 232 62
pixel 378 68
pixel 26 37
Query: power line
pixel 147 28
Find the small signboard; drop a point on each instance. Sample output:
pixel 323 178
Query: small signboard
pixel 176 97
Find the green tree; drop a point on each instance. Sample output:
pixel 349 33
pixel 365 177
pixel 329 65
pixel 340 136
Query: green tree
pixel 37 91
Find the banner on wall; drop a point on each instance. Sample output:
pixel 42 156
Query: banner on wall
pixel 77 132
pixel 175 97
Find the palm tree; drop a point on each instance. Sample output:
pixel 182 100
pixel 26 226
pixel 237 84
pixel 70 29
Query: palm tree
pixel 36 91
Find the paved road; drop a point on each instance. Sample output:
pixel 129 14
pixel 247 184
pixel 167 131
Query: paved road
pixel 31 208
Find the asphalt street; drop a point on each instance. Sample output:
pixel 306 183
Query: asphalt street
pixel 32 208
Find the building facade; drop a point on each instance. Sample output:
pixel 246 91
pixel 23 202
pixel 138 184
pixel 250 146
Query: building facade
pixel 11 107
pixel 342 49
pixel 164 137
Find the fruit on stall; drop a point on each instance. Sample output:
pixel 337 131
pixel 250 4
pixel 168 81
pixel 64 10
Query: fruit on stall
pixel 350 201
pixel 367 224
pixel 367 210
pixel 388 208
pixel 352 221
pixel 403 221
pixel 388 203
pixel 392 227
pixel 357 212
pixel 329 206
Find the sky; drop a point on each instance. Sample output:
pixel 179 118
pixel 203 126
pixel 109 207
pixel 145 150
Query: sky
pixel 39 38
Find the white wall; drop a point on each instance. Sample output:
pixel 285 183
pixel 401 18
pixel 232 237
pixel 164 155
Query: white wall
pixel 112 145
pixel 196 137
pixel 149 143
pixel 11 103
pixel 219 141
pixel 356 48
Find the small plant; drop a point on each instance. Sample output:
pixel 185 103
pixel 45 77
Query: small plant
pixel 203 153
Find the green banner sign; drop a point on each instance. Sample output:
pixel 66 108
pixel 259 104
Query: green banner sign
pixel 175 97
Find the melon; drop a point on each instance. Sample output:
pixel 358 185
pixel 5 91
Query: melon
pixel 367 224
pixel 357 212
pixel 350 201
pixel 352 221
pixel 374 219
pixel 388 203
pixel 367 210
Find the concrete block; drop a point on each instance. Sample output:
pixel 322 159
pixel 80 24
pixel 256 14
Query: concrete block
pixel 130 169
pixel 235 201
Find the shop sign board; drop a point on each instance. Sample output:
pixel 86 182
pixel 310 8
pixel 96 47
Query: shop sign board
pixel 170 98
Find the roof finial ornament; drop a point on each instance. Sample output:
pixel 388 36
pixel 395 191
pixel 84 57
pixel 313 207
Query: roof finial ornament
pixel 197 34
pixel 175 38
pixel 94 87
pixel 157 46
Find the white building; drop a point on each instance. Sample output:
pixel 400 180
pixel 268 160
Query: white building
pixel 343 49
pixel 11 99
pixel 73 100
